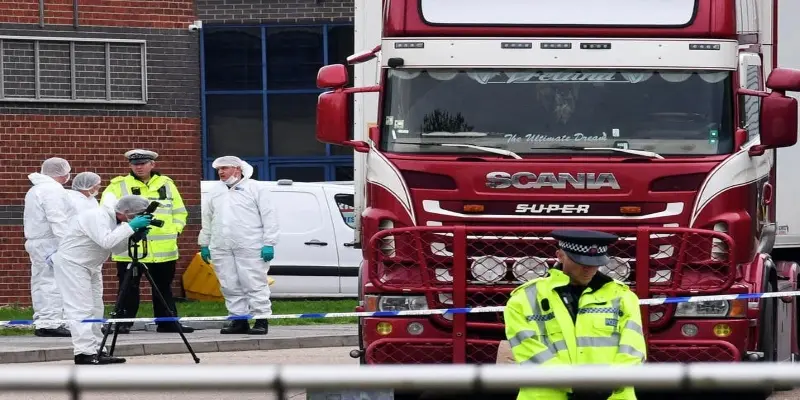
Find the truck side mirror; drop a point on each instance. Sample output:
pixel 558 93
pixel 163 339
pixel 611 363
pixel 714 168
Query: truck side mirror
pixel 778 120
pixel 332 77
pixel 332 111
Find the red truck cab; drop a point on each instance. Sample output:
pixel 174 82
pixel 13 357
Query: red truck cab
pixel 499 121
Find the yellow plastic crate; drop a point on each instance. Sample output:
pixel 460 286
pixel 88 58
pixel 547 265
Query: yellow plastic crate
pixel 200 281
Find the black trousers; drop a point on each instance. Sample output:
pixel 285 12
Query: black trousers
pixel 163 273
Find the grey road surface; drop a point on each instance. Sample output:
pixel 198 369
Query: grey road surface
pixel 329 355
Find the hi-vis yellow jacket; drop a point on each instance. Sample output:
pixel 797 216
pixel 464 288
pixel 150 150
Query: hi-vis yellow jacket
pixel 162 243
pixel 607 329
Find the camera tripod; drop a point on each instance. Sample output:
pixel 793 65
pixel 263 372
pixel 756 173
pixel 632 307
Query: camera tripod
pixel 134 269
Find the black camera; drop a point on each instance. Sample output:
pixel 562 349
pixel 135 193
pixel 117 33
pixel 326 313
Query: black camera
pixel 151 208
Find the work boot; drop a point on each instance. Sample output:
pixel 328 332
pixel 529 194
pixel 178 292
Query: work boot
pixel 58 332
pixel 172 327
pixel 103 356
pixel 94 359
pixel 261 327
pixel 233 327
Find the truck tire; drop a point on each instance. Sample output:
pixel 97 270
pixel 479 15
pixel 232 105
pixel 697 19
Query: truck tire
pixel 362 359
pixel 767 340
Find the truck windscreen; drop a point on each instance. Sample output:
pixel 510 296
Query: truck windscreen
pixel 558 111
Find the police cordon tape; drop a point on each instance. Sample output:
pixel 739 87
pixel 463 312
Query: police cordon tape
pixel 472 310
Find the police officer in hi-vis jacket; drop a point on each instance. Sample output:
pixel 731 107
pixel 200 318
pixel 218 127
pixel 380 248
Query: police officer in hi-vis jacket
pixel 576 315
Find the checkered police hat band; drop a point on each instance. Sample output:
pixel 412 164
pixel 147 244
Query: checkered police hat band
pixel 582 248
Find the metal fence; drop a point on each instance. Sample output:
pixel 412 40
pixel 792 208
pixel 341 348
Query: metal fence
pixel 469 378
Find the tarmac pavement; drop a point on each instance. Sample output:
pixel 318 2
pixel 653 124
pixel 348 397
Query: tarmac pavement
pixel 29 348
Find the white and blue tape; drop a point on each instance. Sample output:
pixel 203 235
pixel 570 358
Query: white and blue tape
pixel 473 310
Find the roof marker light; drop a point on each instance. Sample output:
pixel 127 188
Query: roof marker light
pixel 553 45
pixel 595 46
pixel 704 46
pixel 409 45
pixel 516 45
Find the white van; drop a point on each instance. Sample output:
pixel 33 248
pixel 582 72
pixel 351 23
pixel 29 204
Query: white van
pixel 314 256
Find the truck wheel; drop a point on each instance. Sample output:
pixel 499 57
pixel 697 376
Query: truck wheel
pixel 363 358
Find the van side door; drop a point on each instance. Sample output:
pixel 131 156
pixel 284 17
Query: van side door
pixel 341 203
pixel 305 260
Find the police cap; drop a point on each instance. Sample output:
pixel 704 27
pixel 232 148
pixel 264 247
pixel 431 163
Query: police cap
pixel 585 247
pixel 139 156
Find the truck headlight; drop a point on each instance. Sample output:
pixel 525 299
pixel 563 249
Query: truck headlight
pixel 705 309
pixel 488 269
pixel 529 268
pixel 617 269
pixel 402 303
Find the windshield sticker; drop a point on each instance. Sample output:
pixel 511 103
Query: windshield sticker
pixel 622 145
pixel 399 124
pixel 389 120
pixel 615 132
pixel 576 137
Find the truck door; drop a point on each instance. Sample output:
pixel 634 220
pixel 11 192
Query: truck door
pixel 341 203
pixel 305 261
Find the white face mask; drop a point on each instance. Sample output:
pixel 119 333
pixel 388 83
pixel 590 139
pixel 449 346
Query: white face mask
pixel 230 181
pixel 94 194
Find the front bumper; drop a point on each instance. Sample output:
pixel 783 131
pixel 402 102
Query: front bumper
pixel 435 345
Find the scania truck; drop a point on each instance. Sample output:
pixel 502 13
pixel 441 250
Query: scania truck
pixel 480 126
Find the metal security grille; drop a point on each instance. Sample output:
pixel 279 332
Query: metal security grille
pixel 73 70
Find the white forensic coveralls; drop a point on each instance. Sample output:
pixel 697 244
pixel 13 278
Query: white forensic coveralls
pixel 80 202
pixel 45 219
pixel 92 236
pixel 236 223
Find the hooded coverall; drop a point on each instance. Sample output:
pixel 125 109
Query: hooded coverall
pixel 236 223
pixel 92 236
pixel 606 329
pixel 46 217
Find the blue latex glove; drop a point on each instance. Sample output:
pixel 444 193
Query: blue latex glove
pixel 267 253
pixel 140 221
pixel 205 254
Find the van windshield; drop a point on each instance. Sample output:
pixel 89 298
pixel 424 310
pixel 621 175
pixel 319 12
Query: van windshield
pixel 558 111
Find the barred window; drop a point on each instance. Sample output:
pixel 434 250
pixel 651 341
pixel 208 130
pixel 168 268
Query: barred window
pixel 72 70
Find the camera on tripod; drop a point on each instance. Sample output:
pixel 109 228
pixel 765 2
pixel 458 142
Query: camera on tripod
pixel 151 208
pixel 140 234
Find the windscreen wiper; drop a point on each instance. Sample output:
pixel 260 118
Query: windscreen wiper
pixel 494 150
pixel 641 153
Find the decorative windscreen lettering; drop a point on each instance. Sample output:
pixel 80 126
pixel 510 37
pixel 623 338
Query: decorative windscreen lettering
pixel 560 12
pixel 575 137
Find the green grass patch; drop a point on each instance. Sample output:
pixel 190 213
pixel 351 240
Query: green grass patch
pixel 211 309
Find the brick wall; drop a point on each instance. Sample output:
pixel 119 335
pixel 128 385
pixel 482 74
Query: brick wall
pixel 93 135
pixel 122 13
pixel 267 11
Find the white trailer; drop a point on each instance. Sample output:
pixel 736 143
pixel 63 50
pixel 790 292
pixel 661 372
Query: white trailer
pixel 787 190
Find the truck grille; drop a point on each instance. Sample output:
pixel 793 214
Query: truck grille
pixel 479 266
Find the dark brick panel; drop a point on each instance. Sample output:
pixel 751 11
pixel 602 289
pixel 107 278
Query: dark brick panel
pixel 269 11
pixel 173 74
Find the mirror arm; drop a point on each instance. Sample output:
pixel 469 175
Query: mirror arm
pixel 357 145
pixel 365 89
pixel 757 150
pixel 750 92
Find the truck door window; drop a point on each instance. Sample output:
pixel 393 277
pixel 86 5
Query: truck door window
pixel 304 216
pixel 750 106
pixel 346 209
